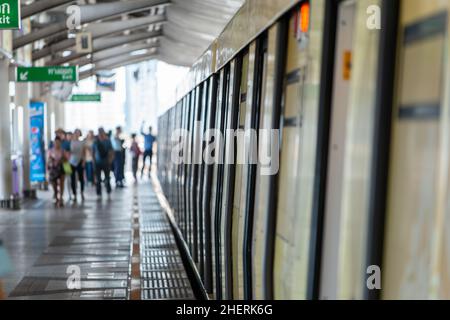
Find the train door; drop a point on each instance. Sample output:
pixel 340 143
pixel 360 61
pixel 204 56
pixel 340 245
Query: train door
pixel 298 158
pixel 183 171
pixel 186 173
pixel 229 172
pixel 255 89
pixel 268 160
pixel 415 262
pixel 179 168
pixel 201 182
pixel 216 182
pixel 239 187
pixel 337 147
pixel 220 218
pixel 195 159
pixel 208 190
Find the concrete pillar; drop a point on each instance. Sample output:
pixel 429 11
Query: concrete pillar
pixel 6 188
pixel 23 91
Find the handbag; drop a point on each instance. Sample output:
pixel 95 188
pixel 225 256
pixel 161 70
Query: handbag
pixel 67 168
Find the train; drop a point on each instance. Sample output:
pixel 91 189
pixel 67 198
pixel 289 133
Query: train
pixel 352 202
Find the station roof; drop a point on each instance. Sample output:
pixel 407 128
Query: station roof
pixel 123 31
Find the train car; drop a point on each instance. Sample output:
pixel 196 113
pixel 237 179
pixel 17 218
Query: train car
pixel 316 152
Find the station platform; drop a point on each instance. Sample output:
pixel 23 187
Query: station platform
pixel 120 247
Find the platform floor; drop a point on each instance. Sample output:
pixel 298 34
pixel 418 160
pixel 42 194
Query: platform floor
pixel 48 247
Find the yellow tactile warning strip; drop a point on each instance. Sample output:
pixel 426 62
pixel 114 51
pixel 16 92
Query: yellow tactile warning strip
pixel 162 273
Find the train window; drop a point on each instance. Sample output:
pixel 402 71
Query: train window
pixel 417 194
pixel 298 158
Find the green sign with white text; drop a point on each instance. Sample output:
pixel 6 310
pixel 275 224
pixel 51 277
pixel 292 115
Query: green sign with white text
pixel 95 97
pixel 10 14
pixel 47 74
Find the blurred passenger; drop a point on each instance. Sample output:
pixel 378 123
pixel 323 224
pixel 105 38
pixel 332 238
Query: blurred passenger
pixel 149 140
pixel 89 157
pixel 135 155
pixel 103 156
pixel 58 133
pixel 55 160
pixel 65 143
pixel 117 144
pixel 77 162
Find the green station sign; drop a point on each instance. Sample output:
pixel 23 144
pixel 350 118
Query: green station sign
pixel 10 14
pixel 94 97
pixel 47 74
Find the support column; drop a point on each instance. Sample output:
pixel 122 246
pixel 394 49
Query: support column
pixel 6 189
pixel 23 99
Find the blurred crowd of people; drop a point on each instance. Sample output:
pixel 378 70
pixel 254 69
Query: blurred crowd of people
pixel 91 160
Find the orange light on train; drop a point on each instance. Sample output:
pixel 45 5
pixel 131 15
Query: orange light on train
pixel 304 17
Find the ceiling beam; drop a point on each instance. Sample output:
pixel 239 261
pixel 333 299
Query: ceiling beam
pixel 99 30
pixel 113 52
pixel 107 43
pixel 41 6
pixel 89 13
pixel 110 64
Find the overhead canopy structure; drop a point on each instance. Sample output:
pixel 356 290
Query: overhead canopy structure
pixel 123 31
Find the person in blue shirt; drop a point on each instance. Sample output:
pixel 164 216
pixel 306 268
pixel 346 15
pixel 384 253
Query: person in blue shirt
pixel 119 160
pixel 66 141
pixel 149 140
pixel 103 157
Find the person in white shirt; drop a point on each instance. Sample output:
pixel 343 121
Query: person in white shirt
pixel 77 153
pixel 89 157
pixel 118 164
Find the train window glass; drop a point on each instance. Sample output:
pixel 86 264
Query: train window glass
pixel 239 187
pixel 413 267
pixel 298 158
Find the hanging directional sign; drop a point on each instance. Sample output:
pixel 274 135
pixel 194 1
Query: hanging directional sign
pixel 94 97
pixel 47 74
pixel 10 14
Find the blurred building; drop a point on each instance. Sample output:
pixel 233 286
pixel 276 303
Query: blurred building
pixel 141 96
